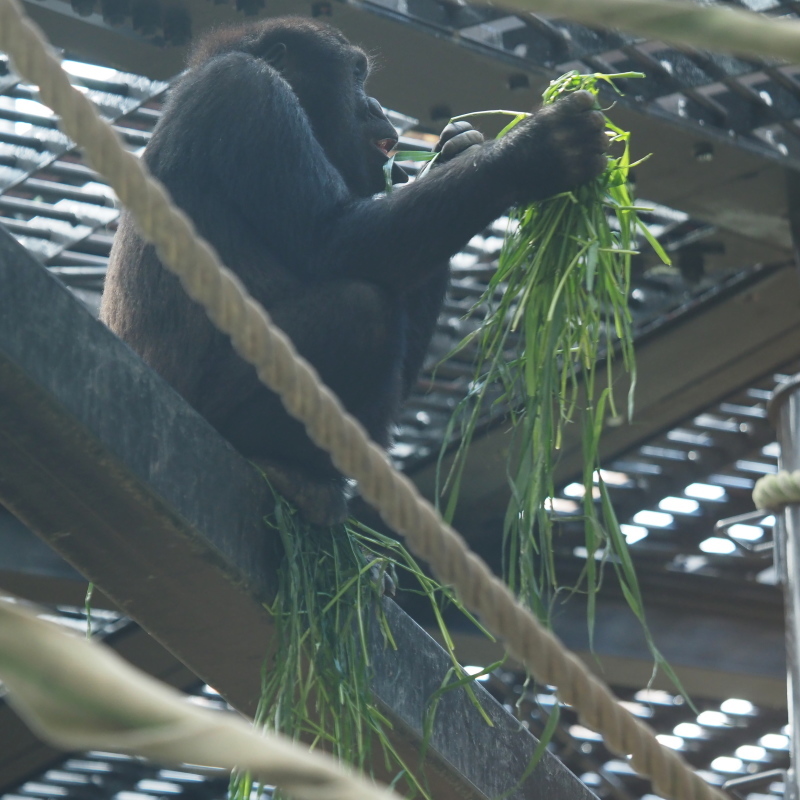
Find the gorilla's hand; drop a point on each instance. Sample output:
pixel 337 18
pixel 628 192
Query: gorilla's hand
pixel 457 138
pixel 558 148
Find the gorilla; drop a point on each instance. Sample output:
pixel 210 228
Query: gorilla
pixel 272 146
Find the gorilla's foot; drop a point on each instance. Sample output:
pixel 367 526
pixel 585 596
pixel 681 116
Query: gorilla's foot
pixel 319 501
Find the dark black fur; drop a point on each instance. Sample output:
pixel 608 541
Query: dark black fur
pixel 268 142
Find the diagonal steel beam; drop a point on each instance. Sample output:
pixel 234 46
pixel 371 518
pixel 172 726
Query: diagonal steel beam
pixel 106 463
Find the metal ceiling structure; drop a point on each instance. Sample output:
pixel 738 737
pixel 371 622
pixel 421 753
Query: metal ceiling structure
pixel 717 333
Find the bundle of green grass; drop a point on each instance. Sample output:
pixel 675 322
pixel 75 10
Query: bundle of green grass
pixel 316 686
pixel 555 315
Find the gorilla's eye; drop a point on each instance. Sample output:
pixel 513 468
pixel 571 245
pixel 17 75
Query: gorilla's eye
pixel 361 67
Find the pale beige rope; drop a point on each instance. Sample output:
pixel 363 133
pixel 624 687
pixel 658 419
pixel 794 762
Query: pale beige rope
pixel 80 695
pixel 707 26
pixel 279 367
pixel 773 492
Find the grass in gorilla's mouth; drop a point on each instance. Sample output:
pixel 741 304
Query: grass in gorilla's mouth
pixel 316 687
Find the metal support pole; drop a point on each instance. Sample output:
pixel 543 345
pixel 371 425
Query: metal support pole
pixel 785 414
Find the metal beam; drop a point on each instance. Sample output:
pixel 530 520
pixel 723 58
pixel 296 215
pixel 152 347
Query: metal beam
pixel 432 72
pixel 107 464
pixel 681 369
pixel 31 569
pixel 22 552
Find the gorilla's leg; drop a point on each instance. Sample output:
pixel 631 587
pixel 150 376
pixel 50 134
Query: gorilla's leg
pixel 352 334
pixel 321 502
pixel 422 307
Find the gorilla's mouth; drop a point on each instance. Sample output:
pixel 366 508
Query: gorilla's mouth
pixel 386 145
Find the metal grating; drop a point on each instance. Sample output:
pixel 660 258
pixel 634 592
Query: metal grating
pixel 660 295
pixel 670 492
pixel 101 776
pixel 722 741
pixel 49 200
pixel 755 103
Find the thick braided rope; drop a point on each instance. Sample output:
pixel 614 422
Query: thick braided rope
pixel 773 492
pixel 715 27
pixel 279 367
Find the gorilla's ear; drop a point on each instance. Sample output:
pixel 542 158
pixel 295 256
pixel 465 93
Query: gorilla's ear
pixel 276 56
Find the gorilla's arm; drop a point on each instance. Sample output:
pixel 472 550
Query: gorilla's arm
pixel 235 127
pixel 417 227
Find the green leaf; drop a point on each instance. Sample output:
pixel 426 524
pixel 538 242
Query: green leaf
pixel 591 264
pixel 412 155
pixel 514 122
pixel 654 243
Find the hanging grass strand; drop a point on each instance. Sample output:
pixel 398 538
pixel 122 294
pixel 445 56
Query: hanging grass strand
pixel 555 310
pixel 317 685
